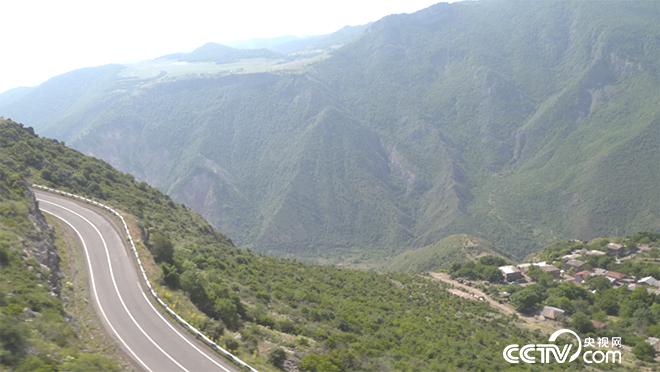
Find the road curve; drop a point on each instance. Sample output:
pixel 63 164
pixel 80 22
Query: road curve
pixel 153 341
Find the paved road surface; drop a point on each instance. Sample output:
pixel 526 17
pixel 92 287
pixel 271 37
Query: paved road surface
pixel 144 333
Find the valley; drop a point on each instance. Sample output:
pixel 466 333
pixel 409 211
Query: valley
pixel 394 135
pixel 446 189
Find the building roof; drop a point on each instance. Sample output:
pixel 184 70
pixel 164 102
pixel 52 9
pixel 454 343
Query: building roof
pixel 615 275
pixel 598 271
pixel 649 280
pixel 575 263
pixel 614 246
pixel 553 309
pixel 583 273
pixel 508 269
pixel 655 342
pixel 549 268
pixel 594 252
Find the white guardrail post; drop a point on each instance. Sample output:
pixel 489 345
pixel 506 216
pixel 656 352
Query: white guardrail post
pixel 176 316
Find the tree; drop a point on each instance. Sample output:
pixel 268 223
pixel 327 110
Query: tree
pixel 644 351
pixel 561 302
pixel 170 275
pixel 492 274
pixel 277 357
pixel 231 344
pixel 4 255
pixel 12 342
pixel 608 301
pixel 581 322
pixel 492 261
pixel 527 299
pixel 88 362
pixel 226 310
pixel 541 277
pixel 318 363
pixel 639 298
pixel 35 364
pixel 161 247
pixel 598 283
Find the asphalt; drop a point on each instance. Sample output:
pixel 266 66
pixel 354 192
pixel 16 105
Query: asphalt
pixel 148 337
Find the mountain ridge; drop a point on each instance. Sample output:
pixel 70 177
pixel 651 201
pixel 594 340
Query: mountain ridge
pixel 511 122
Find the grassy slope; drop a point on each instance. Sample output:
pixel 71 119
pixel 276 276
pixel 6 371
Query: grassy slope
pixel 330 318
pixel 440 255
pixel 36 332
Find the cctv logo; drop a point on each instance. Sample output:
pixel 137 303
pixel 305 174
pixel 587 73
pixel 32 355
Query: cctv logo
pixel 551 352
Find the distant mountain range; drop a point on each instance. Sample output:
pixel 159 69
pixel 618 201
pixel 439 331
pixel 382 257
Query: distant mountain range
pixel 515 122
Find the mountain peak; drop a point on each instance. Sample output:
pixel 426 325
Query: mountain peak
pixel 219 53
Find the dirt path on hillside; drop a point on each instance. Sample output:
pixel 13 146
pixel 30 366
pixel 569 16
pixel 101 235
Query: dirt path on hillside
pixel 465 291
pixel 474 293
pixel 531 323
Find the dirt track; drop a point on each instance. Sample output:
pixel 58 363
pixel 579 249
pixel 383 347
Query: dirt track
pixel 465 291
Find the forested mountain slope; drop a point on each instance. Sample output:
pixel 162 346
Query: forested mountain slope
pixel 268 310
pixel 516 122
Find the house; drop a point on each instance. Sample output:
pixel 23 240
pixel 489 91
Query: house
pixel 654 342
pixel 594 252
pixel 511 273
pixel 575 264
pixel 551 312
pixel 615 249
pixel 599 272
pixel 582 276
pixel 644 247
pixel 615 276
pixel 551 269
pixel 524 267
pixel 649 281
pixel 572 256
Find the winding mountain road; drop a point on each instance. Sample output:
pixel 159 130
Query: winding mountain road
pixel 149 337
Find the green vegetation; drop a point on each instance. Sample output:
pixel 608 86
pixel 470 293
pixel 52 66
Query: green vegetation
pixel 35 332
pixel 516 122
pixel 440 255
pixel 595 307
pixel 324 318
pixel 485 268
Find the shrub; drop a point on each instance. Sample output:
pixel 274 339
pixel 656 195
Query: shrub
pixel 12 342
pixel 161 248
pixel 277 357
pixel 170 275
pixel 527 299
pixel 644 351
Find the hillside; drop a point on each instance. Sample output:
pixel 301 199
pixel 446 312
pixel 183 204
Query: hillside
pixel 37 333
pixel 516 122
pixel 440 255
pixel 323 318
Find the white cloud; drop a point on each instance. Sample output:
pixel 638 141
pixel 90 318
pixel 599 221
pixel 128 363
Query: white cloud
pixel 43 38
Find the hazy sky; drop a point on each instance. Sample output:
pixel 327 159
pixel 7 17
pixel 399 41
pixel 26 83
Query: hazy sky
pixel 43 38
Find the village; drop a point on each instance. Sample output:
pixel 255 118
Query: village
pixel 575 268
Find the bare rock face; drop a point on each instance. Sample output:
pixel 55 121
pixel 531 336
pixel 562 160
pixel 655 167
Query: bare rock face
pixel 42 247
